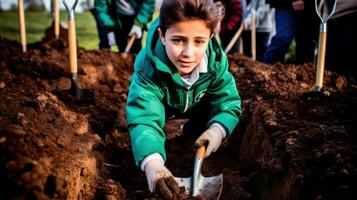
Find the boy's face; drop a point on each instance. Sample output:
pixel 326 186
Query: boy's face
pixel 186 43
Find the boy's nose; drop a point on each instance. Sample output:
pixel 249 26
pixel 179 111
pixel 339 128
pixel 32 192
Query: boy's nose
pixel 188 51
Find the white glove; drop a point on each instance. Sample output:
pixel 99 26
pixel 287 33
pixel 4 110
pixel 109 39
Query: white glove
pixel 247 22
pixel 213 136
pixel 137 30
pixel 154 170
pixel 111 39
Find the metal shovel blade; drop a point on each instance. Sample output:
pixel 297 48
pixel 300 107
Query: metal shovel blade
pixel 82 95
pixel 208 187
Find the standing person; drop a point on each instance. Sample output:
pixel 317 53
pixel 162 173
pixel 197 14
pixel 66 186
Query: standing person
pixel 123 17
pixel 230 23
pixel 293 18
pixel 264 26
pixel 342 40
pixel 182 72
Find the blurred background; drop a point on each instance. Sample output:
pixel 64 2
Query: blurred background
pixel 38 18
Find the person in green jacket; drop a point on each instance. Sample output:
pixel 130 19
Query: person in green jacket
pixel 119 19
pixel 182 72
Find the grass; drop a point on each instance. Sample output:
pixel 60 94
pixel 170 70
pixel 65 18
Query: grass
pixel 38 22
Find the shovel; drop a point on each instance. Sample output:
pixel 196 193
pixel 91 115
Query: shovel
pixel 208 187
pixel 128 46
pixel 83 95
pixel 56 18
pixel 234 39
pixel 253 36
pixel 22 25
pixel 322 47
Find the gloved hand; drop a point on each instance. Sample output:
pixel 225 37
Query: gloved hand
pixel 154 170
pixel 247 22
pixel 213 136
pixel 137 30
pixel 111 38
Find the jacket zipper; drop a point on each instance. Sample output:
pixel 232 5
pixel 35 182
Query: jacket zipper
pixel 187 101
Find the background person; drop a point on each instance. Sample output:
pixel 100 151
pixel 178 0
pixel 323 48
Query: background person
pixel 293 19
pixel 342 39
pixel 230 23
pixel 264 26
pixel 123 17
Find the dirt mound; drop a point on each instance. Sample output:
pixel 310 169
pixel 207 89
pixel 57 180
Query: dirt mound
pixel 291 143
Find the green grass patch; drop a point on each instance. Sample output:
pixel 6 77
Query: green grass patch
pixel 38 22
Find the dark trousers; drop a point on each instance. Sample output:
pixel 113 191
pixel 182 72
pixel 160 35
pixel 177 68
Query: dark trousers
pixel 122 31
pixel 262 39
pixel 102 34
pixel 303 26
pixel 341 45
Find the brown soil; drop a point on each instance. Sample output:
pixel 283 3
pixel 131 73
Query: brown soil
pixel 291 143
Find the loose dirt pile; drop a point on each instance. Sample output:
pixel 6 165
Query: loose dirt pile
pixel 291 143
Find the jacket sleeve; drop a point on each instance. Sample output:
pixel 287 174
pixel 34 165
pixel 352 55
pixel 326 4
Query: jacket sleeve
pixel 145 12
pixel 145 118
pixel 103 13
pixel 225 100
pixel 235 15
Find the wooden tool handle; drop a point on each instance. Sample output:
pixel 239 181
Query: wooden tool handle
pixel 321 61
pixel 72 45
pixel 253 37
pixel 130 43
pixel 201 152
pixel 56 18
pixel 234 39
pixel 22 24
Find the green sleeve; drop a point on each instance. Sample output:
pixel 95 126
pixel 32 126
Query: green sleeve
pixel 145 12
pixel 103 13
pixel 145 118
pixel 225 100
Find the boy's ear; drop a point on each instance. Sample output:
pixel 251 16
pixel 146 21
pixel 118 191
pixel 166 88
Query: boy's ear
pixel 161 35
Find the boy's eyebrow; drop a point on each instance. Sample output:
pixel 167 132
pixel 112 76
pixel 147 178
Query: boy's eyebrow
pixel 180 36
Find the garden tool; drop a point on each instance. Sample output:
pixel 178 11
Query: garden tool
pixel 253 36
pixel 208 187
pixel 22 25
pixel 240 48
pixel 221 10
pixel 56 18
pixel 322 45
pixel 129 45
pixel 84 95
pixel 234 39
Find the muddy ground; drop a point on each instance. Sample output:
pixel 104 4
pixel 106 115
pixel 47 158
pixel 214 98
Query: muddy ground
pixel 291 143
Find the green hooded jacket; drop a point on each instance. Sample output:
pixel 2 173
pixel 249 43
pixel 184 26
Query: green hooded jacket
pixel 105 12
pixel 157 93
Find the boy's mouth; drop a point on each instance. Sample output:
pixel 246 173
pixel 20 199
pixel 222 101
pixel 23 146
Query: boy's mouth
pixel 186 63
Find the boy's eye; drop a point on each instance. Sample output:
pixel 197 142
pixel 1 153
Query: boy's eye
pixel 177 40
pixel 200 41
